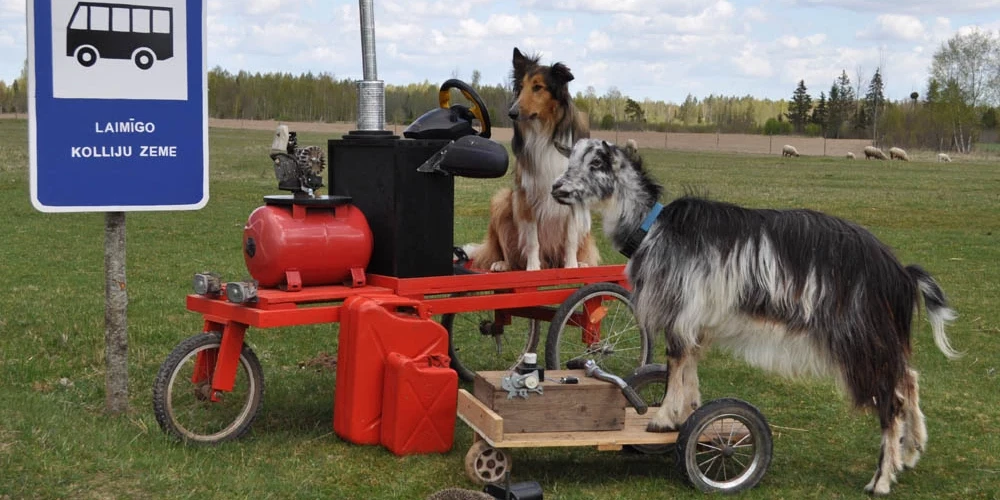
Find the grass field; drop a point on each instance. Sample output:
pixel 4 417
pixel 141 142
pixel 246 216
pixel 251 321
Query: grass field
pixel 55 441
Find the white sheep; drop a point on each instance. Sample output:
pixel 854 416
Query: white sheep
pixel 943 157
pixel 850 155
pixel 873 152
pixel 789 150
pixel 898 154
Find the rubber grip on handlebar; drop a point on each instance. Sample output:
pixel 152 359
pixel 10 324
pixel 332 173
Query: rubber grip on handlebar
pixel 633 397
pixel 576 364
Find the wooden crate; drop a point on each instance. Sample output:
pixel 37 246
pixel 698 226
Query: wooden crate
pixel 590 405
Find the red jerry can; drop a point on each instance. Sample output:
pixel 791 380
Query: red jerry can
pixel 372 327
pixel 294 243
pixel 419 403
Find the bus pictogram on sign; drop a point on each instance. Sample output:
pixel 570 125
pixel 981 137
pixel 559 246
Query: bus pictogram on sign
pixel 141 33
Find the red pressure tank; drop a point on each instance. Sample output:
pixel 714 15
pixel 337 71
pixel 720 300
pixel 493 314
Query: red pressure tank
pixel 306 241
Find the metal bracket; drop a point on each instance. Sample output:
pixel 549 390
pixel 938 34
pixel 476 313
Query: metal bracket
pixel 521 384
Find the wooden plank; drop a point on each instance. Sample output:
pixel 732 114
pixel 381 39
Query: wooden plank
pixel 633 433
pixel 495 281
pixel 481 419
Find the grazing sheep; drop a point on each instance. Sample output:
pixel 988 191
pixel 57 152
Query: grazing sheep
pixel 943 157
pixel 873 152
pixel 898 154
pixel 850 155
pixel 789 150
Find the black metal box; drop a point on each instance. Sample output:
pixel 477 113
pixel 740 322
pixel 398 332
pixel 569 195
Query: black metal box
pixel 411 214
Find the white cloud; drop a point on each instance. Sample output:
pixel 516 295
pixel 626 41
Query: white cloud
pixel 498 25
pixel 755 14
pixel 599 41
pixel 13 8
pixel 895 27
pixel 753 62
pixel 262 7
pixel 915 7
pixel 791 42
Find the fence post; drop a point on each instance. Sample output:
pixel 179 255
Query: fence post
pixel 770 140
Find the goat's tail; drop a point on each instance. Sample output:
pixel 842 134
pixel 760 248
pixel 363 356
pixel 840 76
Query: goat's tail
pixel 938 311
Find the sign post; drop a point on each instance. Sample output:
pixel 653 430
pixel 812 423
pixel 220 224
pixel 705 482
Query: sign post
pixel 118 121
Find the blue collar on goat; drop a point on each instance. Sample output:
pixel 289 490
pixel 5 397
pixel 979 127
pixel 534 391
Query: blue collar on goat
pixel 634 239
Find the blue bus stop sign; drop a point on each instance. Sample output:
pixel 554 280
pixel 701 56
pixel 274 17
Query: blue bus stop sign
pixel 118 105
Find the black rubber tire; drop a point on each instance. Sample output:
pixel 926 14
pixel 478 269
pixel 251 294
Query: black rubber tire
pixel 206 422
pixel 473 338
pixel 650 381
pixel 743 453
pixel 623 348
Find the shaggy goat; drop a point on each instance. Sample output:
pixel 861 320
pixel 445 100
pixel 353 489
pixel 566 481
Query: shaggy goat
pixel 898 154
pixel 793 291
pixel 850 155
pixel 943 157
pixel 873 152
pixel 789 150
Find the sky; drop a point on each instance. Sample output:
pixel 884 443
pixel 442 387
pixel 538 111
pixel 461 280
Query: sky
pixel 646 49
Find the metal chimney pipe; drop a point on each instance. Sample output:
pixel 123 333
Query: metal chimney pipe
pixel 371 90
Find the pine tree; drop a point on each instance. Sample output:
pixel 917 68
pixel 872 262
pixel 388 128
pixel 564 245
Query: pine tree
pixel 819 115
pixel 845 103
pixel 874 101
pixel 834 117
pixel 798 110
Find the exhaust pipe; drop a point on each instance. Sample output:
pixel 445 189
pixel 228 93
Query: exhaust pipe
pixel 371 90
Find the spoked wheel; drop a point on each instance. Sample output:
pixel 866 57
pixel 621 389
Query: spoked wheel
pixel 650 381
pixel 487 340
pixel 724 446
pixel 485 464
pixel 598 322
pixel 182 393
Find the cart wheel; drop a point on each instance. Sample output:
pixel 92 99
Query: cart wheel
pixel 650 381
pixel 487 340
pixel 724 446
pixel 182 393
pixel 618 344
pixel 485 464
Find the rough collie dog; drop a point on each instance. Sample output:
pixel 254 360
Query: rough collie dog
pixel 527 228
pixel 793 291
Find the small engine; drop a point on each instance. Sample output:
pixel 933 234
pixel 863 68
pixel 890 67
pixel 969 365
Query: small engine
pixel 298 170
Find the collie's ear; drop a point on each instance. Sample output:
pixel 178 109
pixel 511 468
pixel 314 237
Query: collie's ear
pixel 561 73
pixel 519 59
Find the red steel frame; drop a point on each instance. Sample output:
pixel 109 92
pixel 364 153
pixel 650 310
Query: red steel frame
pixel 517 293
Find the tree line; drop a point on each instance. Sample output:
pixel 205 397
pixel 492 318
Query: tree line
pixel 958 105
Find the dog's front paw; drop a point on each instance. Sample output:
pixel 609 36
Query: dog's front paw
pixel 500 266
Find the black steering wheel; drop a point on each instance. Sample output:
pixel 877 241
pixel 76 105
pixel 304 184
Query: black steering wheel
pixel 478 108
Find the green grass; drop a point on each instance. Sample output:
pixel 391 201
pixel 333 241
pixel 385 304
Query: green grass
pixel 55 441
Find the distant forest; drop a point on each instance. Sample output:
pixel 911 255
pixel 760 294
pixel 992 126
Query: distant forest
pixel 954 113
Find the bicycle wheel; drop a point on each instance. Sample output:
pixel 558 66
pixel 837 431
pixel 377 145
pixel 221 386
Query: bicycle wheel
pixel 182 393
pixel 598 322
pixel 487 340
pixel 724 446
pixel 650 381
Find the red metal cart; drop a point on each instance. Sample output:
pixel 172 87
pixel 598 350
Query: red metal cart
pixel 209 389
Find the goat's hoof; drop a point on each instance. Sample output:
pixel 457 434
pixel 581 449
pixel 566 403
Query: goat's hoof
pixel 654 427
